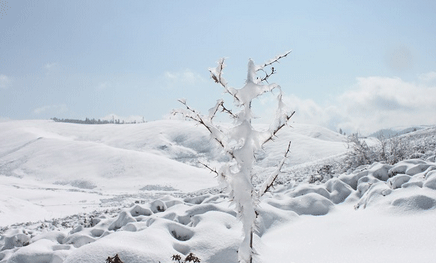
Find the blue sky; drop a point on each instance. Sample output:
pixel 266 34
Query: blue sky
pixel 355 65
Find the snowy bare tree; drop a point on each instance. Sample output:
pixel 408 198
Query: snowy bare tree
pixel 241 142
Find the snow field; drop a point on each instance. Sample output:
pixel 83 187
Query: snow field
pixel 56 169
pixel 95 191
pixel 307 223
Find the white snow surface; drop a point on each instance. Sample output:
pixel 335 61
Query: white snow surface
pixel 81 193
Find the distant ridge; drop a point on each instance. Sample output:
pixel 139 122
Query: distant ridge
pixel 396 131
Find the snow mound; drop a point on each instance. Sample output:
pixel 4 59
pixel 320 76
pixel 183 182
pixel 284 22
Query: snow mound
pixel 136 234
pixel 309 204
pixel 406 185
pixel 208 227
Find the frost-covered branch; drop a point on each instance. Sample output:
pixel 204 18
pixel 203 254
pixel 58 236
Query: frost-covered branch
pixel 271 179
pixel 224 109
pixel 273 71
pixel 216 73
pixel 215 109
pixel 279 127
pixel 220 104
pixel 212 170
pixel 272 61
pixel 217 76
pixel 215 132
pixel 220 174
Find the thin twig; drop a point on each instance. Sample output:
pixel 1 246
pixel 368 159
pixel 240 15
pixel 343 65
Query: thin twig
pixel 212 170
pixel 276 173
pixel 273 71
pixel 224 109
pixel 273 134
pixel 218 78
pixel 197 118
pixel 272 61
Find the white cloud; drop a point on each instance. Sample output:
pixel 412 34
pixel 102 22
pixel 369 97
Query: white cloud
pixel 186 76
pixel 5 81
pixel 51 68
pixel 428 77
pixel 50 65
pixel 3 119
pixel 374 103
pixel 51 109
pixel 379 102
pixel 103 86
pixel 307 110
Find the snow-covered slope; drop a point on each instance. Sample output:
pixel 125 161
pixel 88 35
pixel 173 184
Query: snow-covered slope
pixel 94 156
pixel 55 169
pixel 310 143
pixel 103 161
pixel 400 130
pixel 91 156
pixel 382 213
pixel 93 191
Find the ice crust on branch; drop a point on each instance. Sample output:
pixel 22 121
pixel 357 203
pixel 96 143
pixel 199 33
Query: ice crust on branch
pixel 242 141
pixel 217 75
pixel 272 61
pixel 267 184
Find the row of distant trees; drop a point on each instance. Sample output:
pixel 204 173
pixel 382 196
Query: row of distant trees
pixel 98 121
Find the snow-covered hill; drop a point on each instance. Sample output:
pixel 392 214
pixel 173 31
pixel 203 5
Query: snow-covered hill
pixel 90 163
pixel 81 193
pixel 55 169
pixel 400 130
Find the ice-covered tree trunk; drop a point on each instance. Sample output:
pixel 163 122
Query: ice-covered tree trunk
pixel 241 142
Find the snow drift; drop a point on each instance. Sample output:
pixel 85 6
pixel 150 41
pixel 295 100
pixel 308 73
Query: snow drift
pixel 374 199
pixel 377 213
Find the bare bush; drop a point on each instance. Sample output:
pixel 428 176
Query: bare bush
pixel 189 258
pixel 390 150
pixel 360 153
pixel 115 259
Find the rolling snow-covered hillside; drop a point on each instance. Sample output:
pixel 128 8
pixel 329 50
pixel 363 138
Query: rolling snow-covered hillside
pixel 81 193
pixel 93 162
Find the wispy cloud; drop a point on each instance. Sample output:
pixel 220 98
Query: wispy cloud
pixel 51 109
pixel 5 81
pixel 103 85
pixel 186 77
pixel 373 103
pixel 428 77
pixel 51 67
pixel 3 119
